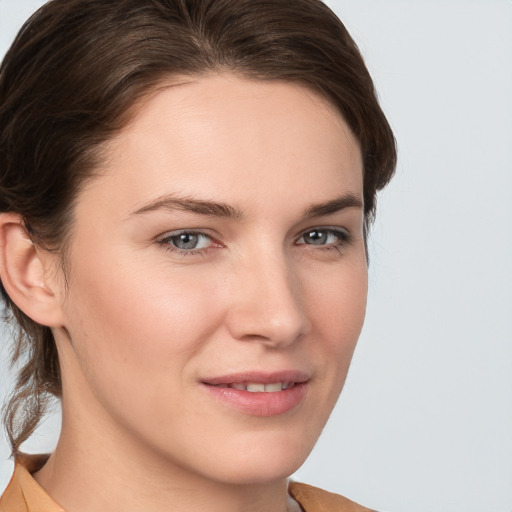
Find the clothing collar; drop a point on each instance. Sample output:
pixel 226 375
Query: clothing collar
pixel 24 494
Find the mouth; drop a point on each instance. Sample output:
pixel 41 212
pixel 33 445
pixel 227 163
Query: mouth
pixel 260 394
pixel 258 387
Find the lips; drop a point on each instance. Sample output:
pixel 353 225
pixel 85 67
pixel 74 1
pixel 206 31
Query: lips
pixel 253 380
pixel 259 394
pixel 258 387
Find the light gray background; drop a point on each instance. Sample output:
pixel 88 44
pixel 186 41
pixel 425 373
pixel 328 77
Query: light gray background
pixel 425 421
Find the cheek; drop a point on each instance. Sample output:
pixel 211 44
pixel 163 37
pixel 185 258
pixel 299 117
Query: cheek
pixel 337 310
pixel 338 306
pixel 138 324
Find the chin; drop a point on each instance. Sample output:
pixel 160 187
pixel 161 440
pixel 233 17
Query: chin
pixel 269 458
pixel 259 472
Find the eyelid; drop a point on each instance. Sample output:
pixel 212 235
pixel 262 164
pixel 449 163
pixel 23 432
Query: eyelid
pixel 164 240
pixel 337 230
pixel 344 239
pixel 192 231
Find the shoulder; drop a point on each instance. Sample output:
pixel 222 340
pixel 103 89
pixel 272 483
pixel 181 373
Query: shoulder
pixel 23 494
pixel 313 499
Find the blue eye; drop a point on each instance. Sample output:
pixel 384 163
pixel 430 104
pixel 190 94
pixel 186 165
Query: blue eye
pixel 187 241
pixel 324 237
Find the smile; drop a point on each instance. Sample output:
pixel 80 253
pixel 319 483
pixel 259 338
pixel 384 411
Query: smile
pixel 259 393
pixel 256 387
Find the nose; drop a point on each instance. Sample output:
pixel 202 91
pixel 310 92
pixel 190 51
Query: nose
pixel 268 305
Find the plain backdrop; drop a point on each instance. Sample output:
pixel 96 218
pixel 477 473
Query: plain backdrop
pixel 425 421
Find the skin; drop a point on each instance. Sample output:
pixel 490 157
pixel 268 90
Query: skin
pixel 140 325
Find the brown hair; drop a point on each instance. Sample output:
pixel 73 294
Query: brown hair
pixel 72 77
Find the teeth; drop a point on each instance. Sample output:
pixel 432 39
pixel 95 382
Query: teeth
pixel 277 386
pixel 256 387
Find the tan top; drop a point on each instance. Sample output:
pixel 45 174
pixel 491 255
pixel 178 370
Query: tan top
pixel 23 494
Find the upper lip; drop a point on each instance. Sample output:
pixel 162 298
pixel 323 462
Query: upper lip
pixel 295 376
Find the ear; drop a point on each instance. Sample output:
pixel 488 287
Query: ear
pixel 28 274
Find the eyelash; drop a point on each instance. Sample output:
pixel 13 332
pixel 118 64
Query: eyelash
pixel 344 238
pixel 166 242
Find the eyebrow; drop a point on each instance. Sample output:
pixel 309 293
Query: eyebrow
pixel 173 203
pixel 348 200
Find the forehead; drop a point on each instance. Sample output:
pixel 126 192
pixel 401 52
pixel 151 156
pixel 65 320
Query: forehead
pixel 233 137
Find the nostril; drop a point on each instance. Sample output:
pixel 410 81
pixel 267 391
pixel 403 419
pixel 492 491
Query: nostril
pixel 271 328
pixel 267 306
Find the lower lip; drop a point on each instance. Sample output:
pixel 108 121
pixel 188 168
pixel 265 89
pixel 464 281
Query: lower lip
pixel 260 404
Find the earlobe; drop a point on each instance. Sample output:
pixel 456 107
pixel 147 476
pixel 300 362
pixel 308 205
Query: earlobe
pixel 24 273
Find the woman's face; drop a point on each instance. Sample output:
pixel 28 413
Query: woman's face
pixel 217 279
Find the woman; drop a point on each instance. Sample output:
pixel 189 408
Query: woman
pixel 186 191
